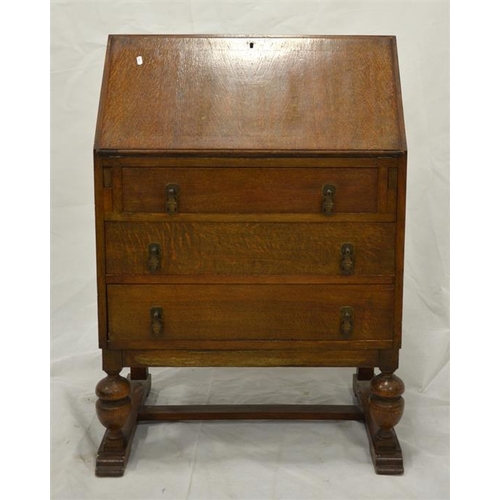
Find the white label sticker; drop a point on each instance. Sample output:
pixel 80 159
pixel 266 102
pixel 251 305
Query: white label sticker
pixel 139 60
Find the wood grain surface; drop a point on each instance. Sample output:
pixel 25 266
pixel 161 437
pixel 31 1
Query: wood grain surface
pixel 256 358
pixel 250 93
pixel 218 312
pixel 248 248
pixel 255 190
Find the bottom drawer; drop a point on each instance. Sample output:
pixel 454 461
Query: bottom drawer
pixel 249 312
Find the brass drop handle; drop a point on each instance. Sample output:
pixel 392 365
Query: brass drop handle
pixel 328 192
pixel 172 194
pixel 346 321
pixel 154 257
pixel 347 258
pixel 156 322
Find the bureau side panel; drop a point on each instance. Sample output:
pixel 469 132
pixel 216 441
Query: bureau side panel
pixel 102 203
pixel 400 247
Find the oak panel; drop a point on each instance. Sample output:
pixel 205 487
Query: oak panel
pixel 249 248
pixel 251 93
pixel 239 312
pixel 256 190
pixel 257 358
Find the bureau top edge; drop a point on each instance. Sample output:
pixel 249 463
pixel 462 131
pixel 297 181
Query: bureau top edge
pixel 242 153
pixel 320 95
pixel 241 35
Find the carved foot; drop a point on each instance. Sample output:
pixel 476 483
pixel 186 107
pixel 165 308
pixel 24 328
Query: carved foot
pixel 383 408
pixel 113 405
pixel 386 403
pixel 113 409
pixel 117 408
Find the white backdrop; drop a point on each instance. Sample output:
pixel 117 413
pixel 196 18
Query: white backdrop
pixel 249 460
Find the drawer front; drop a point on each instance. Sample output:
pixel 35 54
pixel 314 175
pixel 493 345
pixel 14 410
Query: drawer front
pixel 249 312
pixel 152 248
pixel 250 190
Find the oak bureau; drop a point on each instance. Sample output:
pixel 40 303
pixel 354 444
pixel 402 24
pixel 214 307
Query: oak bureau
pixel 250 207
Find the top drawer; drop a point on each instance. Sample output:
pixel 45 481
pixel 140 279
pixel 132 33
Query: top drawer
pixel 250 190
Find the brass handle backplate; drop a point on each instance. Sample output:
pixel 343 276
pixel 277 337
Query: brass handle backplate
pixel 328 192
pixel 346 321
pixel 347 258
pixel 156 314
pixel 172 194
pixel 154 257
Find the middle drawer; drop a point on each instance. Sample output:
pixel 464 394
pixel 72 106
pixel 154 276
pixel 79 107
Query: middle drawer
pixel 223 248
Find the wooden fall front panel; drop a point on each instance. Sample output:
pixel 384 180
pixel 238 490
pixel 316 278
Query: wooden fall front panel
pixel 250 205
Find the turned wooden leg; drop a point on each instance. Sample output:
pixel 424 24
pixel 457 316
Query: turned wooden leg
pixel 385 403
pixel 383 407
pixel 114 404
pixel 113 411
pixel 119 402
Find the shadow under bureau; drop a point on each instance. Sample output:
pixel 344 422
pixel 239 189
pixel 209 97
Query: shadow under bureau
pixel 250 205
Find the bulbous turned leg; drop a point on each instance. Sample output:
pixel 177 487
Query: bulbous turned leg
pixel 385 403
pixel 114 404
pixel 117 407
pixel 113 410
pixel 382 404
